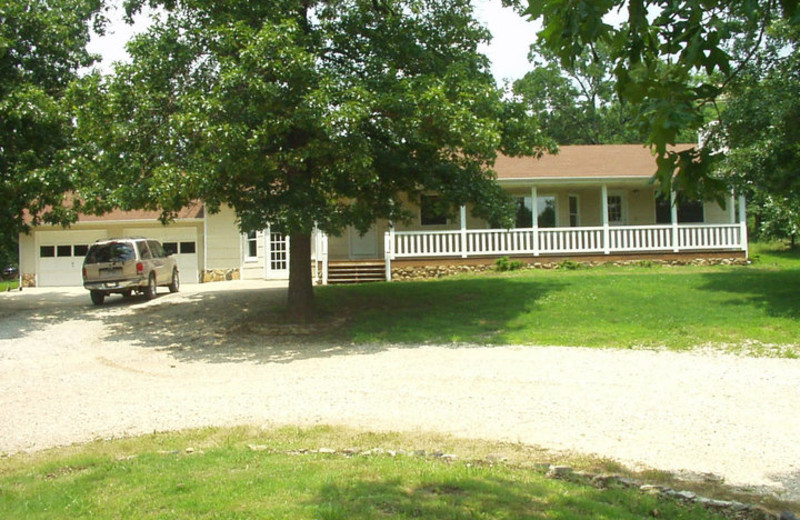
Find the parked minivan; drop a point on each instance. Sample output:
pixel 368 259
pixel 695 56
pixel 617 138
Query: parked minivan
pixel 124 265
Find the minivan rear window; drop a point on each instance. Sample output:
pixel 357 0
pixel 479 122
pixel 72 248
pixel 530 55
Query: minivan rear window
pixel 111 252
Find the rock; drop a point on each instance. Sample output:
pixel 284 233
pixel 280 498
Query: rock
pixel 559 471
pixel 786 515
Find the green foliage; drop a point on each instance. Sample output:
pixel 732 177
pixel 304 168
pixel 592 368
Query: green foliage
pixel 42 46
pixel 571 265
pixel 657 55
pixel 759 127
pixel 300 114
pixel 503 264
pixel 576 105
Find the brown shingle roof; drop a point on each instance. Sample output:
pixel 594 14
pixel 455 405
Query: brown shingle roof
pixel 583 161
pixel 192 211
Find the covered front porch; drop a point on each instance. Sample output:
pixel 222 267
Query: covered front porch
pixel 609 239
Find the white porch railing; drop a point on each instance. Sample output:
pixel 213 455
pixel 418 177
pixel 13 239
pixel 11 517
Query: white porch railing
pixel 604 240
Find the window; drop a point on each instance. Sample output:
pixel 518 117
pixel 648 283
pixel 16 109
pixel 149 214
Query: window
pixel 63 251
pixel 81 250
pixel 251 245
pixel 144 252
pixel 688 211
pixel 574 211
pixel 170 248
pixel 546 211
pixel 524 217
pixel 156 249
pixel 47 251
pixel 188 248
pixel 431 211
pixel 615 209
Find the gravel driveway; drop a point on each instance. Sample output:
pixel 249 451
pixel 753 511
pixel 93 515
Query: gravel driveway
pixel 71 372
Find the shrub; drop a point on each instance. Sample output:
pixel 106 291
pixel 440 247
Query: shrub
pixel 505 264
pixel 571 265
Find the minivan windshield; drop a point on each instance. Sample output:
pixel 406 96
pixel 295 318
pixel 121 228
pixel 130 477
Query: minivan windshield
pixel 110 252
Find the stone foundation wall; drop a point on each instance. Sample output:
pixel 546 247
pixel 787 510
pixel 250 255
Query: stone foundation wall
pixel 420 272
pixel 28 280
pixel 220 275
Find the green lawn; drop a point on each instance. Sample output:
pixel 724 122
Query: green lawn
pixel 240 474
pixel 753 309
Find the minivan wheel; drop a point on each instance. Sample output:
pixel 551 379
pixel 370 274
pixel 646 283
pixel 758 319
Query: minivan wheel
pixel 97 297
pixel 152 288
pixel 176 282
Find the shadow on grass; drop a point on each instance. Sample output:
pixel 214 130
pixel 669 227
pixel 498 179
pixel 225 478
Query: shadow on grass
pixel 250 325
pixel 773 291
pixel 490 497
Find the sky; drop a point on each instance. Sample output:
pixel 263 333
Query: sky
pixel 508 51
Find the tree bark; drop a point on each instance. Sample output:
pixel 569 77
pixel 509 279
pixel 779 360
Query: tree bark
pixel 300 300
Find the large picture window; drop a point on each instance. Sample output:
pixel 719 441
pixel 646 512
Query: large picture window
pixel 432 212
pixel 546 211
pixel 689 211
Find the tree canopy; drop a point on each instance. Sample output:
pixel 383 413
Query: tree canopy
pixel 298 114
pixel 657 51
pixel 42 47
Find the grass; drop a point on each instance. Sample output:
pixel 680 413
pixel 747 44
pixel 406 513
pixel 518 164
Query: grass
pixel 752 309
pixel 9 285
pixel 244 473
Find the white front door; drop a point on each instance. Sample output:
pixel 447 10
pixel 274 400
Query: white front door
pixel 364 246
pixel 276 265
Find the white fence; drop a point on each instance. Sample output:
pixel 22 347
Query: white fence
pixel 603 240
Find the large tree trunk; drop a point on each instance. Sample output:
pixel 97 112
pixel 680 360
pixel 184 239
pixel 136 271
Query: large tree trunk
pixel 300 301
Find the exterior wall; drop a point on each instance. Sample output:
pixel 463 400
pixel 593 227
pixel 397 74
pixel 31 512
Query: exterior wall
pixel 27 253
pixel 224 240
pixel 713 213
pixel 641 207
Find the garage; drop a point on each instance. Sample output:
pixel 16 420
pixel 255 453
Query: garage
pixel 180 242
pixel 59 255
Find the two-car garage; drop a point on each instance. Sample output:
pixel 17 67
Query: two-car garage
pixel 59 254
pixel 56 255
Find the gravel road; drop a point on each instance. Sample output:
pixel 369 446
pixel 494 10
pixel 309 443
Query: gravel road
pixel 71 372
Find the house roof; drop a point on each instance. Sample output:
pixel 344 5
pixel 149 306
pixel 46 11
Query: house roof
pixel 193 211
pixel 583 162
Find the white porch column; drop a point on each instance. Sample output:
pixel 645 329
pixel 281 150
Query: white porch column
pixel 673 217
pixel 535 220
pixel 606 229
pixel 324 256
pixel 388 250
pixel 463 215
pixel 732 208
pixel 743 224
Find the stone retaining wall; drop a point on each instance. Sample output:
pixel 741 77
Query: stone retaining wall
pixel 420 272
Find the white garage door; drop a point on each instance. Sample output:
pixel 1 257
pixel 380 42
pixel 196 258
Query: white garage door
pixel 181 243
pixel 60 256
